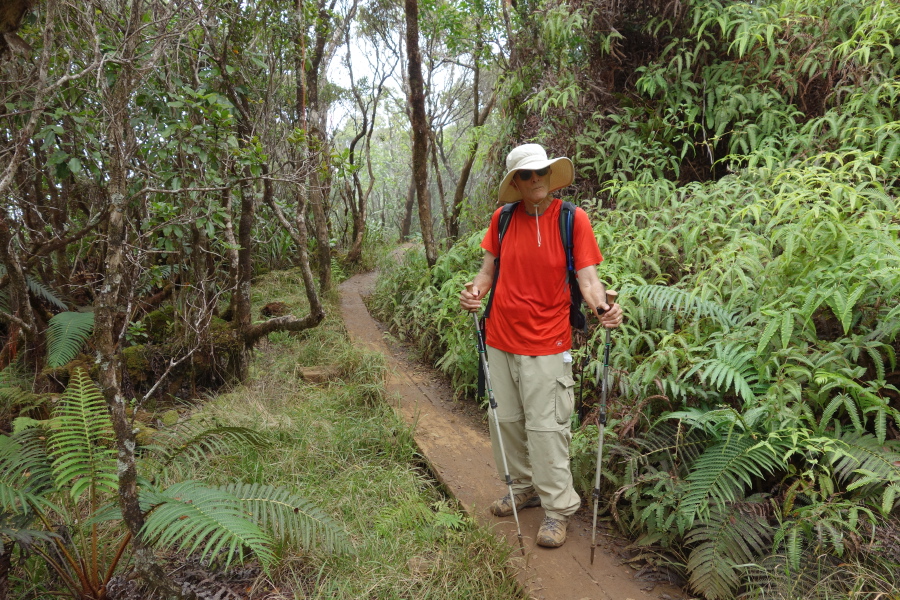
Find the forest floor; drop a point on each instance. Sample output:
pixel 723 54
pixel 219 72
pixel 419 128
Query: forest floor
pixel 454 440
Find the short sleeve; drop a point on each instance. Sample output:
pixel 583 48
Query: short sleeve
pixel 491 238
pixel 584 242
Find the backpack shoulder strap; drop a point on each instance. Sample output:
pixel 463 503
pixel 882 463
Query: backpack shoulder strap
pixel 502 225
pixel 566 226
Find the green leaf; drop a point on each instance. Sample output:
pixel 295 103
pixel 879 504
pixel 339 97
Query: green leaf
pixel 82 445
pixel 66 335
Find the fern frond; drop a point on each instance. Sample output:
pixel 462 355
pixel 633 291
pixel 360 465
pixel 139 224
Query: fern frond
pixel 671 444
pixel 81 443
pixel 864 464
pixel 289 517
pixel 193 443
pixel 727 539
pixel 16 528
pixel 39 289
pixel 25 475
pixel 810 578
pixel 724 470
pixel 66 335
pixel 663 298
pixel 732 367
pixel 208 521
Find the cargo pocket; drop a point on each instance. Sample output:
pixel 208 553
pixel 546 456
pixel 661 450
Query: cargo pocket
pixel 565 399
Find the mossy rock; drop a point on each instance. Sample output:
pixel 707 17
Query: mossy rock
pixel 136 362
pixel 85 363
pixel 144 434
pixel 224 336
pixel 158 323
pixel 170 418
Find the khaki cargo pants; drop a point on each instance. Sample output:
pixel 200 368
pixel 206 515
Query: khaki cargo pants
pixel 535 400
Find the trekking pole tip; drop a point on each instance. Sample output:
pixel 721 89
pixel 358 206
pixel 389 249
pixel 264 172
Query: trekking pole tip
pixel 592 554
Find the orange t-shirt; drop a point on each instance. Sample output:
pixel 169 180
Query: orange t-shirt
pixel 530 310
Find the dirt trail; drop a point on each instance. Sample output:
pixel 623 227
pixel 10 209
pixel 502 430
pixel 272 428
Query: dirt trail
pixel 454 439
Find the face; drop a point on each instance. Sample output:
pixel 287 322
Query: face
pixel 534 187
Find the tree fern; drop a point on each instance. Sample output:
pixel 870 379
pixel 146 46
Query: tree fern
pixel 66 335
pixel 81 442
pixel 731 536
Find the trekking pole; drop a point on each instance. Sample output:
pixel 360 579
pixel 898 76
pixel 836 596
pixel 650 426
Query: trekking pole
pixel 601 420
pixel 482 358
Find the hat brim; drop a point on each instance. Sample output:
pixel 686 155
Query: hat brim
pixel 562 174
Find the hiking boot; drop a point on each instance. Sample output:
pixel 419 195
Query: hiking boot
pixel 527 499
pixel 552 533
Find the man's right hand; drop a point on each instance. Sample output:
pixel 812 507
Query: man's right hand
pixel 470 297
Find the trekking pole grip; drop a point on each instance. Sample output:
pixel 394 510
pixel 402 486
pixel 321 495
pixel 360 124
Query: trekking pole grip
pixel 610 300
pixel 469 288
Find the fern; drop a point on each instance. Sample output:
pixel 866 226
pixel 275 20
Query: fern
pixel 725 470
pixel 25 475
pixel 66 335
pixel 809 578
pixel 843 302
pixel 733 535
pixel 731 368
pixel 191 442
pixel 868 466
pixel 289 517
pixel 665 298
pixel 207 521
pixel 81 442
pixel 670 444
pixel 38 289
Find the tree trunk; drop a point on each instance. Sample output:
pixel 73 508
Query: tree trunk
pixel 313 117
pixel 407 213
pixel 439 180
pixel 478 118
pixel 420 128
pixel 117 289
pixel 21 316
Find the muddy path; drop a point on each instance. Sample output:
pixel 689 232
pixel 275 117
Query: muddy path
pixel 453 437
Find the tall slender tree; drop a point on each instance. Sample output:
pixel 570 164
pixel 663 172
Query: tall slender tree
pixel 419 128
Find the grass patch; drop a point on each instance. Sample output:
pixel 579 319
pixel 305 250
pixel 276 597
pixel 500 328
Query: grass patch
pixel 342 447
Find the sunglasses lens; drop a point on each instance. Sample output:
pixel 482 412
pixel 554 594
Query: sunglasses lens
pixel 525 174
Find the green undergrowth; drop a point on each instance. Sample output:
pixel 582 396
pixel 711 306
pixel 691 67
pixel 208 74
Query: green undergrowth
pixel 348 452
pixel 742 180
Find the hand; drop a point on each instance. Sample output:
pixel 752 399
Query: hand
pixel 610 316
pixel 470 297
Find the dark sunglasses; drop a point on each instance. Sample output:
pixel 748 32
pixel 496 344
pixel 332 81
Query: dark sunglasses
pixel 525 174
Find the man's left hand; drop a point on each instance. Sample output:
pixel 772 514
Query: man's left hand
pixel 612 317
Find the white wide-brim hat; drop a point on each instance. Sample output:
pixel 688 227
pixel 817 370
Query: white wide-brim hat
pixel 533 157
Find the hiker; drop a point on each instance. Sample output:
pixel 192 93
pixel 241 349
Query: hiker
pixel 528 334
